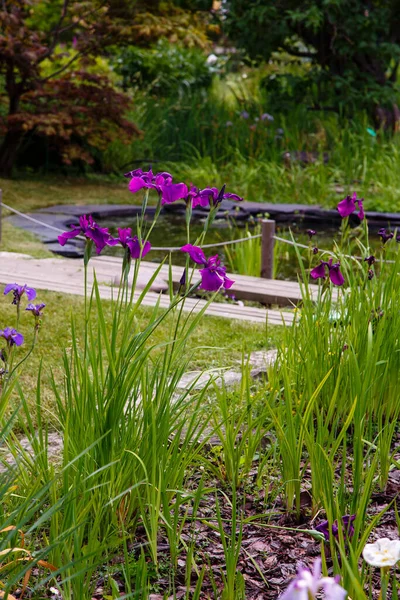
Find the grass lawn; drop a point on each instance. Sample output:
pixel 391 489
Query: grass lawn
pixel 31 194
pixel 216 342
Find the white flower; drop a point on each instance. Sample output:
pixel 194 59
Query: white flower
pixel 212 59
pixel 306 585
pixel 382 553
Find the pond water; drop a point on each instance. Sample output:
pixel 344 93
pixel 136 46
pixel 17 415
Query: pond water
pixel 170 231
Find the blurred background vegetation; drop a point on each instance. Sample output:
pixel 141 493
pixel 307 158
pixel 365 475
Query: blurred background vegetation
pixel 294 101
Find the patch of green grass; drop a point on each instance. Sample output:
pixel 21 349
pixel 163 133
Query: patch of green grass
pixel 30 194
pixel 216 342
pixel 15 239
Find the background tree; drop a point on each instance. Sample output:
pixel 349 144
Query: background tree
pixel 44 47
pixel 353 45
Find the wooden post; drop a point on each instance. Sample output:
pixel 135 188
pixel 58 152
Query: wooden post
pixel 267 248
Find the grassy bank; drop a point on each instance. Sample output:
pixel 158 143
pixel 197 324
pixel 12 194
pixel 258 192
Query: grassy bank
pixel 216 343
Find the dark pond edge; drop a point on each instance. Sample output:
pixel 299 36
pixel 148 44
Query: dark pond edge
pixel 62 216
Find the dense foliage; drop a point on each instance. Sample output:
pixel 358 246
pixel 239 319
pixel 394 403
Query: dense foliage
pixel 163 69
pixel 353 47
pixel 42 42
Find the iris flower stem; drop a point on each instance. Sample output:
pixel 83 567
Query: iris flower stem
pixel 35 334
pixel 86 307
pixel 154 221
pixel 385 575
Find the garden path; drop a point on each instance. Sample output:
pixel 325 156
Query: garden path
pixel 66 276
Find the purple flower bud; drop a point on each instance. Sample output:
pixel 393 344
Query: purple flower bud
pixel 347 523
pixel 370 274
pixel 182 280
pixel 244 114
pixel 385 236
pixel 315 250
pixel 310 233
pixel 370 260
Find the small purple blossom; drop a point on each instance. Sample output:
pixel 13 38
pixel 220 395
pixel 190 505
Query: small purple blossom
pixel 89 228
pixel 385 235
pixel 334 273
pixel 267 117
pixel 315 250
pixel 131 243
pixel 347 523
pixel 36 309
pixel 348 206
pixel 12 337
pixel 18 291
pixel 213 275
pixel 371 274
pixel 311 233
pixel 244 114
pixel 307 584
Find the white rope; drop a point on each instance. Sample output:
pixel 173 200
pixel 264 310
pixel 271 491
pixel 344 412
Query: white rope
pixel 245 239
pixel 166 249
pixel 20 214
pixel 176 249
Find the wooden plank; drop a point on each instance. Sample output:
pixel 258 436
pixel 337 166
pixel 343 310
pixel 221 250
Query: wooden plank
pixel 66 276
pixel 256 289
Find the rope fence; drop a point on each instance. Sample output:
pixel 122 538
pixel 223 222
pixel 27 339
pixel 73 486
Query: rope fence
pixel 267 236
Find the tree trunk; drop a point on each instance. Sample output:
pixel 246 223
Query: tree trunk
pixel 8 152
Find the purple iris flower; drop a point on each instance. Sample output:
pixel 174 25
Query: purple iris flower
pixel 347 522
pixel 334 273
pixel 90 229
pixel 310 233
pixel 370 260
pixel 132 243
pixel 348 206
pixel 161 182
pixel 12 337
pixel 36 309
pixel 211 196
pixel 385 236
pixel 18 291
pixel 213 275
